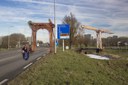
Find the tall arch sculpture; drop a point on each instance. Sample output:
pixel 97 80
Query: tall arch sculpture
pixel 36 26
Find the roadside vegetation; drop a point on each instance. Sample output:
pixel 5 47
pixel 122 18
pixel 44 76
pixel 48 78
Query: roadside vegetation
pixel 71 68
pixel 1 49
pixel 118 53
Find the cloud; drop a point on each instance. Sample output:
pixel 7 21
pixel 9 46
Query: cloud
pixel 108 14
pixel 43 35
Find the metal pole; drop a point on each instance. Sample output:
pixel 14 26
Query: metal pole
pixel 63 44
pixel 19 40
pixel 8 41
pixel 55 25
pixel 8 38
pixel 9 35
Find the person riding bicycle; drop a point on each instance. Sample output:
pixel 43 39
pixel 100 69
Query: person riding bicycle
pixel 25 52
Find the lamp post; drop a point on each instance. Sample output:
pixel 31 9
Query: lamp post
pixel 8 38
pixel 55 24
pixel 19 40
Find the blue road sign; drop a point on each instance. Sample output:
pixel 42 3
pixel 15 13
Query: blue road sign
pixel 57 43
pixel 63 31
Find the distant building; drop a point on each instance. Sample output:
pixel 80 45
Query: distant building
pixel 39 43
pixel 115 37
pixel 88 36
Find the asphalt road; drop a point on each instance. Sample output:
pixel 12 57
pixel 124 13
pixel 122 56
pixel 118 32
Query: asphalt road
pixel 12 62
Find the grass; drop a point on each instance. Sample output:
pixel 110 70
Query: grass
pixel 2 49
pixel 70 68
pixel 123 54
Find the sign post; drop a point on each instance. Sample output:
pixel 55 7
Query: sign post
pixel 63 45
pixel 55 25
pixel 63 31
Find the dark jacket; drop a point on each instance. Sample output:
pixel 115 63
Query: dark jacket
pixel 25 49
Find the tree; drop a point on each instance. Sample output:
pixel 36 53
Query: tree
pixel 40 42
pixel 87 41
pixel 74 24
pixel 13 40
pixel 4 42
pixel 79 39
pixel 16 39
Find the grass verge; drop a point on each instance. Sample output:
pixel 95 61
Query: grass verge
pixel 70 68
pixel 122 54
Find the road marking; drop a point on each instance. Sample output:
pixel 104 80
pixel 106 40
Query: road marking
pixel 38 58
pixel 27 65
pixel 5 80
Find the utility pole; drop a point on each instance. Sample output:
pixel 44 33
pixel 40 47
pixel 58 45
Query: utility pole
pixel 8 38
pixel 19 40
pixel 55 25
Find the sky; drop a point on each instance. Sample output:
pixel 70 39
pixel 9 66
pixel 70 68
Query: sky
pixel 102 14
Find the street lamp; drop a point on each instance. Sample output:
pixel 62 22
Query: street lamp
pixel 19 40
pixel 55 24
pixel 9 37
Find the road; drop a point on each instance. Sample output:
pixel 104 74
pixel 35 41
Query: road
pixel 12 62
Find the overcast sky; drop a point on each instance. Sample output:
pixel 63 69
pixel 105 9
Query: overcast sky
pixel 102 14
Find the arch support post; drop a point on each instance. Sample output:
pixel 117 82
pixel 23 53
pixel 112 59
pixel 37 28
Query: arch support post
pixel 34 40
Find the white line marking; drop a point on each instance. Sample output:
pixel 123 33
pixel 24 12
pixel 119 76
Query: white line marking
pixel 5 80
pixel 27 65
pixel 38 58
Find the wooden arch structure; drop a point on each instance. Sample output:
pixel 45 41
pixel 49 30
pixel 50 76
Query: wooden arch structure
pixel 36 26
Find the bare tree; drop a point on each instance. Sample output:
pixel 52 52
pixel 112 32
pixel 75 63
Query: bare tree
pixel 74 24
pixel 80 37
pixel 13 40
